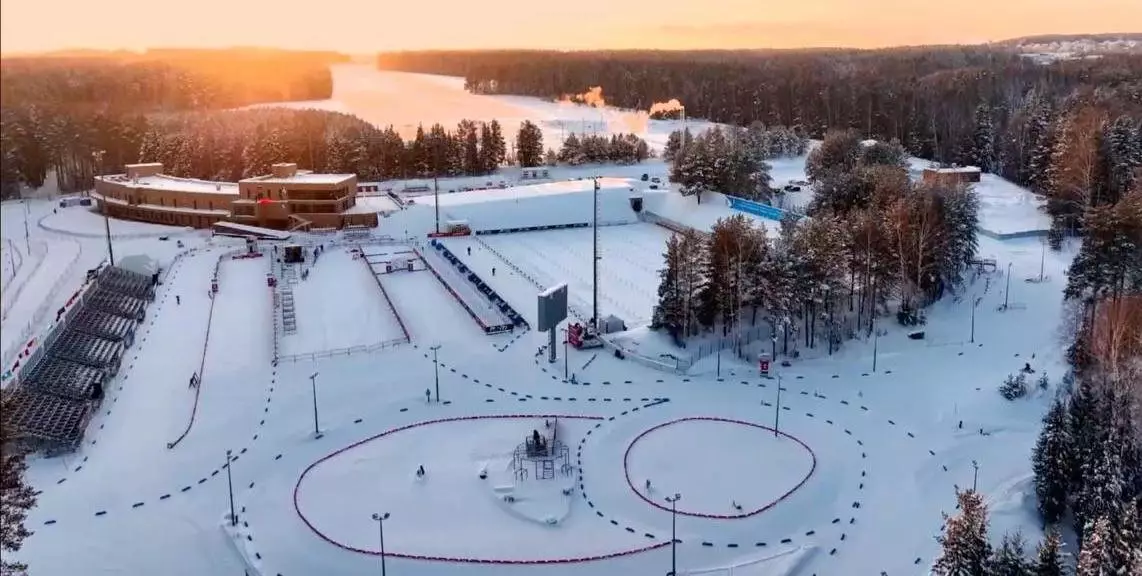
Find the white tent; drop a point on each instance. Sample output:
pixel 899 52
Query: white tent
pixel 139 264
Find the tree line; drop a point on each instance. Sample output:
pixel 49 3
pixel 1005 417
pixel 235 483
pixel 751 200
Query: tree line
pixel 56 112
pixel 729 159
pixel 884 238
pixel 1070 129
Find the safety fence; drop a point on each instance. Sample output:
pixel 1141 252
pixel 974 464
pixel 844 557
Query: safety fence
pixel 10 297
pixel 24 345
pixel 389 301
pixel 348 351
pixel 205 344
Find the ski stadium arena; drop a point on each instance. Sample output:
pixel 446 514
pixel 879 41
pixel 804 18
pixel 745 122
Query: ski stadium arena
pixel 431 395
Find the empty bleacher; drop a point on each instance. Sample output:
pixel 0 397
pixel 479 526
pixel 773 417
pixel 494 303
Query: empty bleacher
pixel 44 421
pixel 127 282
pixel 112 302
pixel 105 325
pixel 58 389
pixel 87 349
pixel 61 377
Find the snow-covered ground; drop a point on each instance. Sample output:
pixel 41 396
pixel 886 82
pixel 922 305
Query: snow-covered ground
pixel 338 305
pixel 889 444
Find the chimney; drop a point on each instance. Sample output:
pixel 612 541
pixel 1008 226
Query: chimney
pixel 284 170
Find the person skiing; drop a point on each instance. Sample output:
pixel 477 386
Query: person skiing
pixel 427 395
pixel 469 250
pixel 177 300
pixel 648 484
pixel 420 471
pixel 493 271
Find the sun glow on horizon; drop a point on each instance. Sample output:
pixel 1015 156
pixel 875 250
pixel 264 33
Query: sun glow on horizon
pixel 362 27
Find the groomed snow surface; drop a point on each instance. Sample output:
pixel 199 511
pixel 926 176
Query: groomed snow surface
pixel 319 445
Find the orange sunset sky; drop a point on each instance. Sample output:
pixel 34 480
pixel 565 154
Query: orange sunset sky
pixel 367 26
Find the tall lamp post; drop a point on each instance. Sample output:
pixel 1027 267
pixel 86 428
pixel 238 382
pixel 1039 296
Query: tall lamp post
pixel 674 532
pixel 566 339
pixel 975 304
pixel 595 258
pixel 436 370
pixel 380 520
pixel 1007 291
pixel 313 383
pixel 777 407
pixel 98 154
pixel 230 485
pixel 974 475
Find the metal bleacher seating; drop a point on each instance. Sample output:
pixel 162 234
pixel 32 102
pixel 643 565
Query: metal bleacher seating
pixel 105 325
pixel 107 300
pixel 65 378
pixel 87 349
pixel 57 392
pixel 127 282
pixel 43 421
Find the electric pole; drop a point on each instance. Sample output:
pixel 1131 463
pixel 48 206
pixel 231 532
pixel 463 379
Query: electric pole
pixel 595 258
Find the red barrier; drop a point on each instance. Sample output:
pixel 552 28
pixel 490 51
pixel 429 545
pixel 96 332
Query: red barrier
pixel 626 469
pixel 320 534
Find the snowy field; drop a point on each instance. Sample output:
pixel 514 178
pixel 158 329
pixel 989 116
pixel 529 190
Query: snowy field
pixel 339 306
pixel 628 269
pixel 319 445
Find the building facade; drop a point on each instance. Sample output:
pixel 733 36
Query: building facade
pixel 287 199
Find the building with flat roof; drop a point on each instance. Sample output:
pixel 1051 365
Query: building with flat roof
pixel 952 176
pixel 287 199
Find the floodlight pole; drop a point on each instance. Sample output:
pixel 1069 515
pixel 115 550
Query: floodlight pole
pixel 975 475
pixel 566 338
pixel 595 258
pixel 1007 291
pixel 313 383
pixel 436 184
pixel 674 533
pixel 106 210
pixel 230 485
pixel 380 519
pixel 975 304
pixel 436 370
pixel 777 407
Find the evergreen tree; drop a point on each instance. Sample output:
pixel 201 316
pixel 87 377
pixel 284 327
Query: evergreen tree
pixel 1041 145
pixel 1094 554
pixel 499 149
pixel 966 551
pixel 1109 262
pixel 670 311
pixel 1049 555
pixel 16 497
pixel 1009 559
pixel 468 131
pixel 981 152
pixel 529 145
pixel 1051 462
pixel 1125 549
pixel 571 152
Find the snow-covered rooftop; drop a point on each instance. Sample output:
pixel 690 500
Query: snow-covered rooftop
pixel 174 184
pixel 530 191
pixel 367 204
pixel 302 177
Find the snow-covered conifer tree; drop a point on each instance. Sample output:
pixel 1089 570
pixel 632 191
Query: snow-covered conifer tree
pixel 1051 463
pixel 966 550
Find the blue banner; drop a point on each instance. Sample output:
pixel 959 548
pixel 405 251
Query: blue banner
pixel 758 209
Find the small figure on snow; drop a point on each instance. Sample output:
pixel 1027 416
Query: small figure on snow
pixel 469 250
pixel 961 424
pixel 493 271
pixel 1027 368
pixel 736 506
pixel 427 395
pixel 648 484
pixel 177 300
pixel 420 471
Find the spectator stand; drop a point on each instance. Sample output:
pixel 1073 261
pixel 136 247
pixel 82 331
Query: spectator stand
pixel 63 380
pixel 505 310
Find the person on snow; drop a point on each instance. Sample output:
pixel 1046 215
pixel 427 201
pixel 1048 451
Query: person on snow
pixel 493 271
pixel 648 484
pixel 420 471
pixel 469 250
pixel 177 300
pixel 427 395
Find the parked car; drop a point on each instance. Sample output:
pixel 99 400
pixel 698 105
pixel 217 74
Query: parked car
pixel 645 177
pixel 656 180
pixel 792 188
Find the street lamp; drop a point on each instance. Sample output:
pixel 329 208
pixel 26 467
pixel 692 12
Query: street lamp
pixel 975 304
pixel 313 383
pixel 566 339
pixel 975 475
pixel 1007 291
pixel 380 520
pixel 673 533
pixel 875 343
pixel 230 485
pixel 777 408
pixel 436 369
pixel 98 155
